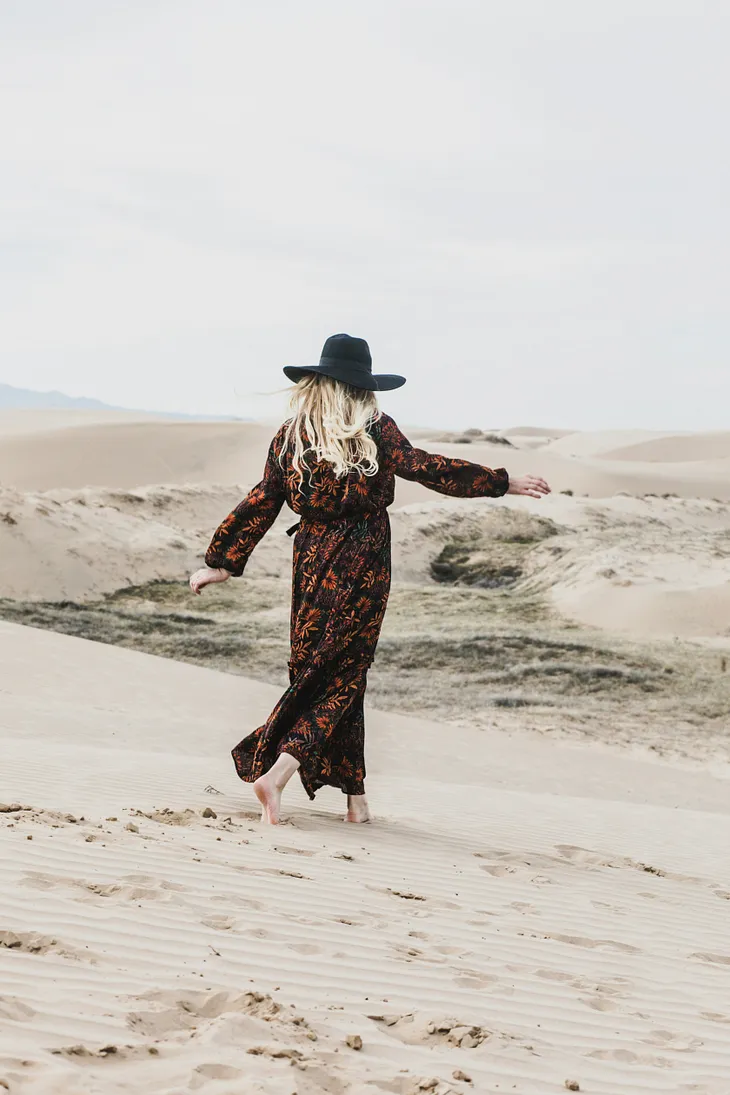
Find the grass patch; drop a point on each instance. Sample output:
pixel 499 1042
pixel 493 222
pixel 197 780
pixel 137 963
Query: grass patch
pixel 453 652
pixel 495 556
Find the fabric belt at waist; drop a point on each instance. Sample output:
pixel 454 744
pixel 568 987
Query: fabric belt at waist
pixel 327 520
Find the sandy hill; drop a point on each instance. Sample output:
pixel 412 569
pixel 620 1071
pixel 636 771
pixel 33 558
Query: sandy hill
pixel 129 453
pixel 45 450
pixel 527 915
pixel 544 433
pixel 29 422
pixel 676 449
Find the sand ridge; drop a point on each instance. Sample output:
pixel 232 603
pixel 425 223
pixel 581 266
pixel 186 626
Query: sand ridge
pixel 47 450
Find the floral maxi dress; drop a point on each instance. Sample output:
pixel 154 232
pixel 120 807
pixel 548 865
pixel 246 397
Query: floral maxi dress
pixel 341 581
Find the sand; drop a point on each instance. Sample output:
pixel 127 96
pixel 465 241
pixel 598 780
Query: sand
pixel 73 449
pixel 533 913
pixel 525 914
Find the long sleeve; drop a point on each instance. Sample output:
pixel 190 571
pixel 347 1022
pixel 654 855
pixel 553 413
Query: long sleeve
pixel 237 536
pixel 444 474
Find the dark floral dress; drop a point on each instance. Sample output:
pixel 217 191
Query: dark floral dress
pixel 341 581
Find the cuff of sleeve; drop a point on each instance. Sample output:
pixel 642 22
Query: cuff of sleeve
pixel 502 485
pixel 219 562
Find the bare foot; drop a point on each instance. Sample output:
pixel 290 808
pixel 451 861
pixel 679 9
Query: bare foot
pixel 357 809
pixel 269 795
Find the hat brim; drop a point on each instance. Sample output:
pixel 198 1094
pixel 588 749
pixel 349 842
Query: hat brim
pixel 373 382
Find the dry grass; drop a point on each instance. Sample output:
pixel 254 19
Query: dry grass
pixel 458 653
pixel 494 554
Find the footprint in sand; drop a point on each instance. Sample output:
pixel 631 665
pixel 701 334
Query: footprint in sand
pixel 82 1053
pixel 257 933
pixel 304 948
pixel 666 1039
pixel 15 1010
pixel 497 871
pixel 135 887
pixel 215 1072
pixel 171 1012
pixel 280 872
pixel 417 1029
pixel 603 944
pixel 471 979
pixel 525 907
pixel 219 923
pixel 611 908
pixel 598 1003
pixel 237 900
pixel 554 975
pixel 511 862
pixel 714 959
pixel 628 1057
pixel 414 954
pixel 583 857
pixel 167 816
pixel 406 895
pixel 35 943
pixel 614 986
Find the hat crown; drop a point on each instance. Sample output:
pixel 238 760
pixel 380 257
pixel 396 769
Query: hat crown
pixel 344 347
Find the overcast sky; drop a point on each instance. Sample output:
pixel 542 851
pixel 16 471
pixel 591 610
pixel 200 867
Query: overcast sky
pixel 521 204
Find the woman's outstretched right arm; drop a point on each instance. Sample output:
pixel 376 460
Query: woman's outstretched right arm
pixel 445 474
pixel 450 475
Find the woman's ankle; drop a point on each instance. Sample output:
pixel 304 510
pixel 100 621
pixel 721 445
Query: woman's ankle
pixel 282 770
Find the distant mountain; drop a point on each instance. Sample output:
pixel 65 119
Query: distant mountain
pixel 25 399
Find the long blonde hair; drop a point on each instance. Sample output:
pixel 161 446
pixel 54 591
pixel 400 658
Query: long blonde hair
pixel 330 421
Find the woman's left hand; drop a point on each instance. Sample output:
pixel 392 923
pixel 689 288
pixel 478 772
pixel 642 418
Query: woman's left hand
pixel 205 576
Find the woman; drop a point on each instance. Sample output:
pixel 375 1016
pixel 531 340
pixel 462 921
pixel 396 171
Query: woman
pixel 335 463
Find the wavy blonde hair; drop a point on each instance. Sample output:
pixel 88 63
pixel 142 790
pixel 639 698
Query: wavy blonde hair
pixel 330 421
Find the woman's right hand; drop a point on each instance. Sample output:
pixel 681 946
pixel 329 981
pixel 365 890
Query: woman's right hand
pixel 531 485
pixel 205 576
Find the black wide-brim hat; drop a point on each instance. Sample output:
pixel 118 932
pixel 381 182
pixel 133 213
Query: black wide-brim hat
pixel 348 359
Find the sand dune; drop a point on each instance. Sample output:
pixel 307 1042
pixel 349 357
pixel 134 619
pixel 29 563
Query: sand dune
pixel 544 433
pixel 130 454
pixel 534 914
pixel 596 477
pixel 675 449
pixel 41 451
pixel 18 421
pixel 588 443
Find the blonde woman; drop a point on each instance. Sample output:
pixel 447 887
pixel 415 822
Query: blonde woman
pixel 334 461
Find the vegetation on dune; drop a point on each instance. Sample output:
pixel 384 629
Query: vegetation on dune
pixel 454 650
pixel 494 555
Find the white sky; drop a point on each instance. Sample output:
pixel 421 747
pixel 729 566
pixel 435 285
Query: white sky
pixel 522 205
